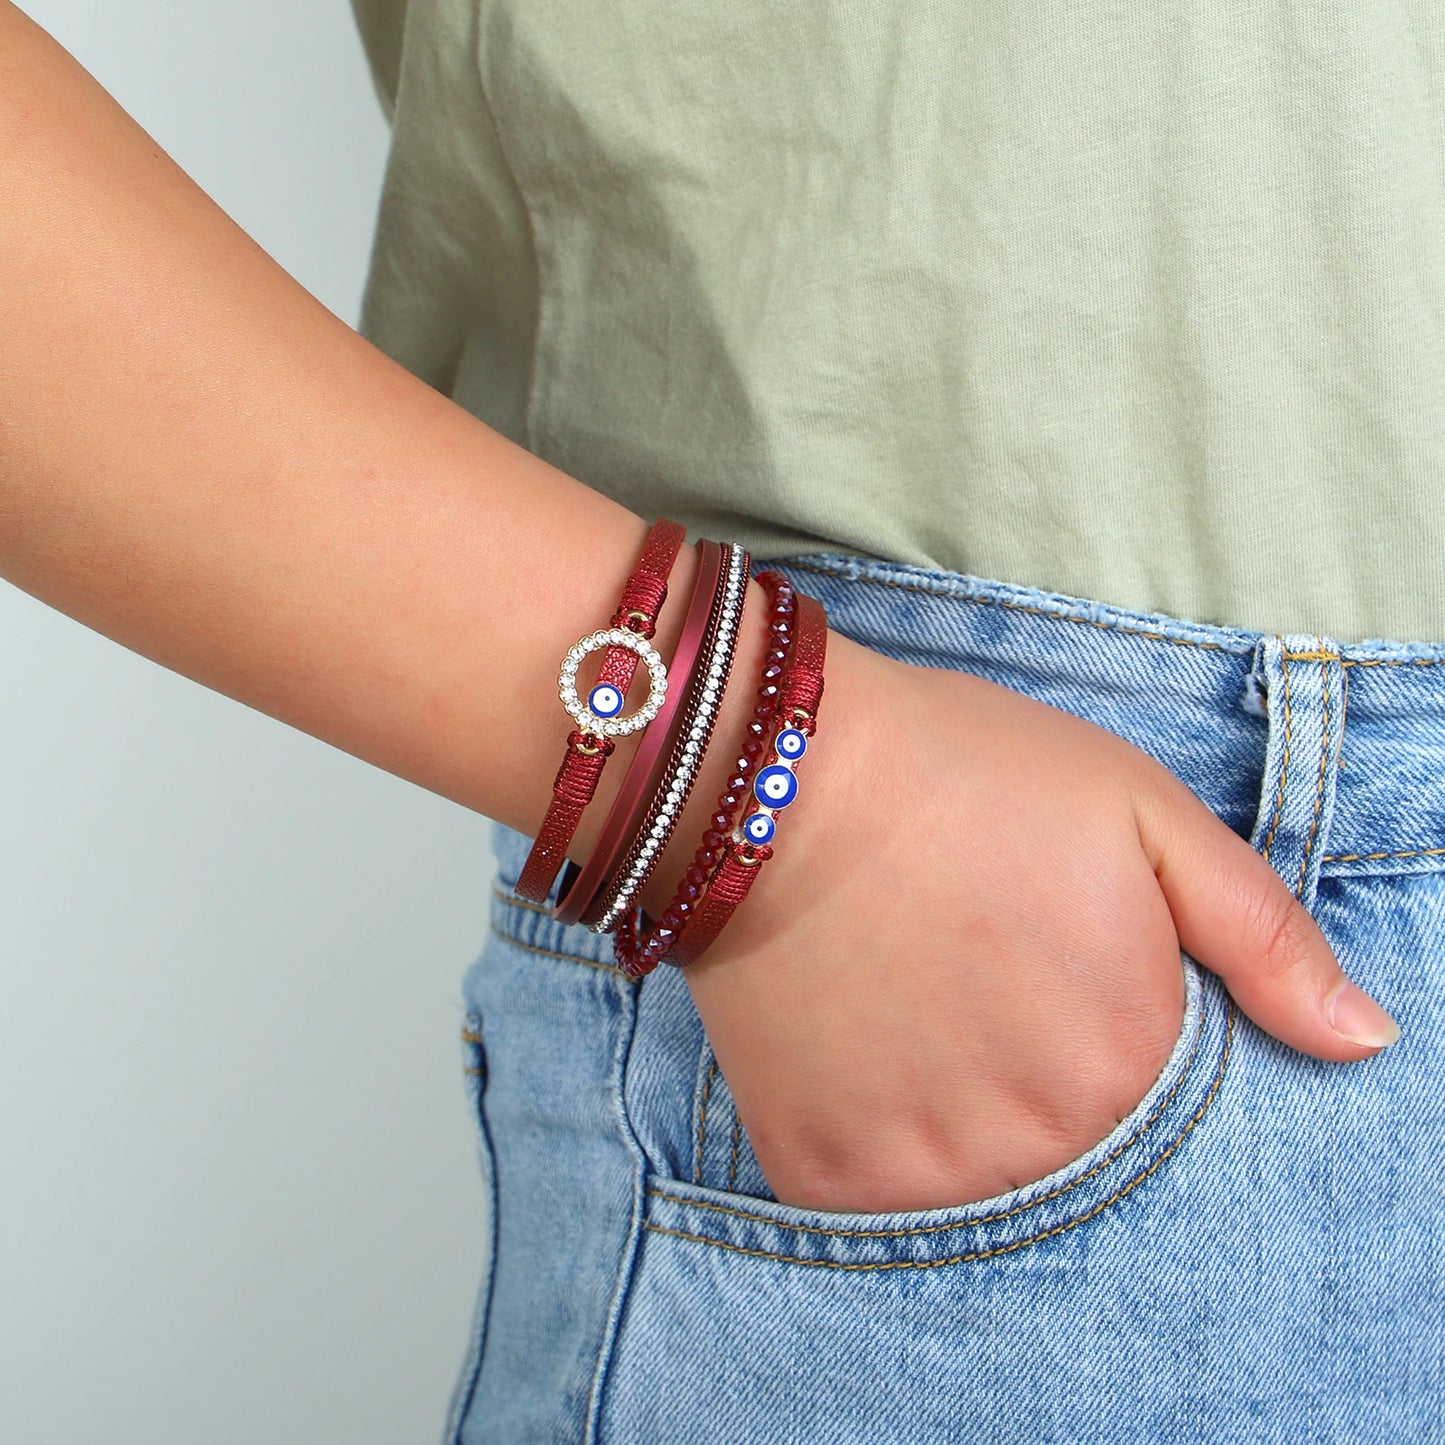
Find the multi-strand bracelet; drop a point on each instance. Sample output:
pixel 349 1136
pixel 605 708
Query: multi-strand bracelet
pixel 676 724
pixel 660 777
pixel 774 787
pixel 730 854
pixel 672 785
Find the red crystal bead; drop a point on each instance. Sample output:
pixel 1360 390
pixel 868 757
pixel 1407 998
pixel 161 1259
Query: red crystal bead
pixel 722 821
pixel 697 874
pixel 713 839
pixel 737 784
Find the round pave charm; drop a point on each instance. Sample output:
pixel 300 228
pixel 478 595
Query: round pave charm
pixel 598 719
pixel 775 787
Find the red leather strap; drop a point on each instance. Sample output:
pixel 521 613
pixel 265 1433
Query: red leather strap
pixel 582 884
pixel 802 690
pixel 577 777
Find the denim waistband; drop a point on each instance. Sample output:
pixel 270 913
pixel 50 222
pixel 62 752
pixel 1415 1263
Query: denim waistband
pixel 1214 704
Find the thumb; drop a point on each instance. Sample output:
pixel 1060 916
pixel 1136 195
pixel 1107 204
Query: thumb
pixel 1234 914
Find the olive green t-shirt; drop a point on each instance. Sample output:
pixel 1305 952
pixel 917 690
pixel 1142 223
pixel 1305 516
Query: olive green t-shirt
pixel 1135 302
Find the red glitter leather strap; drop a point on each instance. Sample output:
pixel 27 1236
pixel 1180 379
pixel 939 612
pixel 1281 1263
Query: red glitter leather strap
pixel 587 752
pixel 581 884
pixel 742 862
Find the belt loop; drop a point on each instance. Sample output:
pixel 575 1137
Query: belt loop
pixel 1304 688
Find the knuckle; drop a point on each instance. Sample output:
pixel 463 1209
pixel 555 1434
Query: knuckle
pixel 1277 933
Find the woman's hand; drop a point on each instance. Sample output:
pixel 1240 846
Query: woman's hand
pixel 961 970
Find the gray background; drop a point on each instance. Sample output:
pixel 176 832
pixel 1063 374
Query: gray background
pixel 240 1199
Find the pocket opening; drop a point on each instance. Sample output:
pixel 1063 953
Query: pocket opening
pixel 706 1210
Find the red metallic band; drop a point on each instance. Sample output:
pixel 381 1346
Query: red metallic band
pixel 581 884
pixel 576 780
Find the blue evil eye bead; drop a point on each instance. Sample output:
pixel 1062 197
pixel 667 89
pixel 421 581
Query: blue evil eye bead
pixel 605 700
pixel 791 744
pixel 759 828
pixel 775 787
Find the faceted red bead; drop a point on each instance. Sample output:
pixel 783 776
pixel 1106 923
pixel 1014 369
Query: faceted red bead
pixel 713 839
pixel 697 874
pixel 773 671
pixel 729 801
pixel 737 784
pixel 754 748
pixel 688 893
pixel 722 821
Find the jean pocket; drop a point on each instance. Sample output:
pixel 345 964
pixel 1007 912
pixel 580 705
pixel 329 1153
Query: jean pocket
pixel 474 1076
pixel 726 1201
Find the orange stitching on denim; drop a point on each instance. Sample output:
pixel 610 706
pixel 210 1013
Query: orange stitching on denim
pixel 471 1071
pixel 1370 857
pixel 702 1120
pixel 737 1136
pixel 966 1223
pixel 1284 767
pixel 468 1037
pixel 566 957
pixel 1299 886
pixel 982 1253
pixel 1095 622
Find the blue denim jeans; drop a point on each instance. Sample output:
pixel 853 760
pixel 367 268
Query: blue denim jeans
pixel 1257 1252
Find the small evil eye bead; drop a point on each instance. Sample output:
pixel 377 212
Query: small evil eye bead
pixel 606 701
pixel 775 787
pixel 790 744
pixel 759 828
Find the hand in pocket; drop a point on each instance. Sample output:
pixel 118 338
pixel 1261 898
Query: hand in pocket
pixel 961 969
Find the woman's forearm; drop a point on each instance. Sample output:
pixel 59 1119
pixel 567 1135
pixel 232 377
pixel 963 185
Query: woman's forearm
pixel 201 461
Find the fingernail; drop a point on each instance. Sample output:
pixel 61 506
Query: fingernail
pixel 1354 1015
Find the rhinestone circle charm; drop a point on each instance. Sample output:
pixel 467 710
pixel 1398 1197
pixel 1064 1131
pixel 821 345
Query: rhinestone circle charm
pixel 775 787
pixel 791 744
pixel 759 829
pixel 602 723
